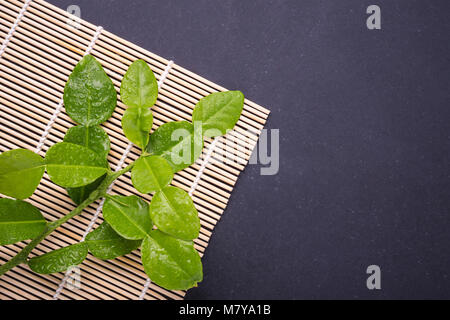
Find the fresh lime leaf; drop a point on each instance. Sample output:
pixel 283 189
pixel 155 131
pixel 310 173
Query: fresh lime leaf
pixel 128 216
pixel 219 112
pixel 104 243
pixel 59 260
pixel 151 174
pixel 136 124
pixel 173 212
pixel 139 87
pixel 78 195
pixel 19 221
pixel 171 263
pixel 70 165
pixel 20 173
pixel 94 138
pixel 180 143
pixel 89 94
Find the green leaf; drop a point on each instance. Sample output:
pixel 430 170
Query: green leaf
pixel 173 212
pixel 89 94
pixel 171 263
pixel 219 112
pixel 94 138
pixel 128 216
pixel 20 173
pixel 151 174
pixel 139 87
pixel 59 260
pixel 71 165
pixel 19 221
pixel 78 195
pixel 104 243
pixel 180 143
pixel 136 124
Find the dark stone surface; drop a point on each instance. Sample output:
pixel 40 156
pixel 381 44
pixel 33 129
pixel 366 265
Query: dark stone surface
pixel 365 140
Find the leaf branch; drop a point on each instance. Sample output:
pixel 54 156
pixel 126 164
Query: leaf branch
pixel 100 192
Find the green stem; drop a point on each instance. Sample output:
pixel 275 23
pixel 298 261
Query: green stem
pixel 100 192
pixel 117 174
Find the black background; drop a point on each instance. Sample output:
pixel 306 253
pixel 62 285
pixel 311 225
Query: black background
pixel 364 139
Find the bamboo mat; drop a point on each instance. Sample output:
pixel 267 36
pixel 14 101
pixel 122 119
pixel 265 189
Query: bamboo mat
pixel 39 52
